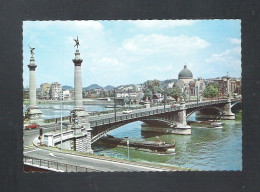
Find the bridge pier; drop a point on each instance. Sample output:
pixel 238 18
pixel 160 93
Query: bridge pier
pixel 228 115
pixel 82 138
pixel 181 122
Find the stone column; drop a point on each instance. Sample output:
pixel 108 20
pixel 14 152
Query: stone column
pixel 228 86
pixel 33 113
pixel 32 83
pixel 78 110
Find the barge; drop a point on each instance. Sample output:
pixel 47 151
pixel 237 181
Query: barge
pixel 152 146
pixel 208 124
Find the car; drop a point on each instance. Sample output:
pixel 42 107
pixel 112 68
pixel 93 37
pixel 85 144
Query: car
pixel 32 126
pixel 174 106
pixel 127 111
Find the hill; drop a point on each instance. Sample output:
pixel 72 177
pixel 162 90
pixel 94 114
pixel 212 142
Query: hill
pixel 93 86
pixel 109 87
pixel 66 87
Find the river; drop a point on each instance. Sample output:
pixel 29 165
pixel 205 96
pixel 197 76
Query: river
pixel 205 149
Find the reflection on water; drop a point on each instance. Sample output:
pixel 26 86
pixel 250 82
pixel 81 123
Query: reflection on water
pixel 205 149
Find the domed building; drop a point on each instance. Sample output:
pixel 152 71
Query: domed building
pixel 188 85
pixel 185 75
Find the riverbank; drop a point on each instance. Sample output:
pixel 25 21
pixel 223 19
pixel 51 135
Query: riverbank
pixel 113 159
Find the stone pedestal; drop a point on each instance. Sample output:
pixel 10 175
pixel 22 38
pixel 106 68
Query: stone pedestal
pixel 33 113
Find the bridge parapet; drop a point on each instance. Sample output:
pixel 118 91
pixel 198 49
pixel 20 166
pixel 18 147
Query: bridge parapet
pixel 51 139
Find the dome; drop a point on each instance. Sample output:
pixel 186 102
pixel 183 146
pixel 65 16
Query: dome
pixel 179 84
pixel 185 73
pixel 192 84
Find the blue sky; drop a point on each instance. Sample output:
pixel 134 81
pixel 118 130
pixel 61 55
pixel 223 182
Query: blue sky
pixel 125 52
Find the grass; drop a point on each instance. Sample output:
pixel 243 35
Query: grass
pixel 102 156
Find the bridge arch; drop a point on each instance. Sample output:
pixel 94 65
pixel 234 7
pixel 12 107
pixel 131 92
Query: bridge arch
pixel 120 124
pixel 205 107
pixel 235 103
pixel 111 128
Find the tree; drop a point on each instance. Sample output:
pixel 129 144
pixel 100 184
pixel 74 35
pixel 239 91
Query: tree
pixel 211 91
pixel 175 92
pixel 151 87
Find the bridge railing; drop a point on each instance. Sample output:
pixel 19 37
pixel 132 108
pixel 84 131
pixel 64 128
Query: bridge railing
pixel 54 165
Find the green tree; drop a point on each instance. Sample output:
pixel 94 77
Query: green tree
pixel 175 92
pixel 211 91
pixel 151 87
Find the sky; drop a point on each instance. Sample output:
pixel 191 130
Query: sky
pixel 131 52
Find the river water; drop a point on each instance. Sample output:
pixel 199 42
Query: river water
pixel 205 149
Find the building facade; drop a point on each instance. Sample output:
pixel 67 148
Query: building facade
pixel 55 91
pixel 45 91
pixel 234 85
pixel 188 85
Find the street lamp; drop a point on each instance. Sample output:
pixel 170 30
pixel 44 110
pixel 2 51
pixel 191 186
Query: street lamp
pixel 127 148
pixel 218 94
pixel 115 103
pixel 197 95
pixel 60 120
pixel 164 99
pixel 129 98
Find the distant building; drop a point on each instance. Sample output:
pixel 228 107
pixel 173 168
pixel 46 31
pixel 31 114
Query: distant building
pixel 45 91
pixel 55 91
pixel 234 84
pixel 170 85
pixel 188 85
pixel 66 95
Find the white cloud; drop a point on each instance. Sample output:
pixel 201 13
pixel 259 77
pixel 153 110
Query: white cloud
pixel 225 56
pixel 235 41
pixel 148 24
pixel 157 43
pixel 106 64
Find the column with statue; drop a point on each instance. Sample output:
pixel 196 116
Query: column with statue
pixel 81 126
pixel 33 113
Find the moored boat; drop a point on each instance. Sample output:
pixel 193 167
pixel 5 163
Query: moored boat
pixel 152 146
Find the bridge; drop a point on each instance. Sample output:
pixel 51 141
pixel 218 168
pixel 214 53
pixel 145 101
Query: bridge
pixel 95 127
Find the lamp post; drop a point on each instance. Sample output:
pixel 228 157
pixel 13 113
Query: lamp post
pixel 129 98
pixel 197 95
pixel 127 148
pixel 218 95
pixel 115 104
pixel 164 99
pixel 60 120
